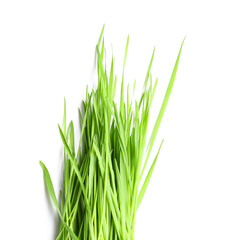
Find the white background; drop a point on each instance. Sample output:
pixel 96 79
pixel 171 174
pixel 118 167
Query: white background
pixel 47 51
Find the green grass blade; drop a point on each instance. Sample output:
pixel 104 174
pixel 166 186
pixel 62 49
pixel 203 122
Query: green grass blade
pixel 49 186
pixel 147 179
pixel 163 107
pixel 149 69
pixel 125 55
pixel 51 191
pixel 101 35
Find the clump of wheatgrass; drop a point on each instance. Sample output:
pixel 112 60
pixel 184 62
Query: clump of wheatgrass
pixel 102 189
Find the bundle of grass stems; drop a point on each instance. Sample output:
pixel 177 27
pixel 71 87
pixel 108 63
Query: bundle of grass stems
pixel 102 179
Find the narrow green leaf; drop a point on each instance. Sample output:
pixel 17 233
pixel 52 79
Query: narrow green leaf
pixel 125 55
pixel 49 186
pixel 163 107
pixel 101 35
pixel 147 179
pixel 51 191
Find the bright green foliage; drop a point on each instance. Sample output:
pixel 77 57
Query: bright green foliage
pixel 102 180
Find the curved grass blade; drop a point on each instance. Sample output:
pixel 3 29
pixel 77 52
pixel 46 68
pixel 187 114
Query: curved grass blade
pixel 147 179
pixel 51 191
pixel 162 110
pixel 49 186
pixel 101 35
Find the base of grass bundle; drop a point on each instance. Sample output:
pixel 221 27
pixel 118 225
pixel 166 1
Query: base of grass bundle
pixel 102 190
